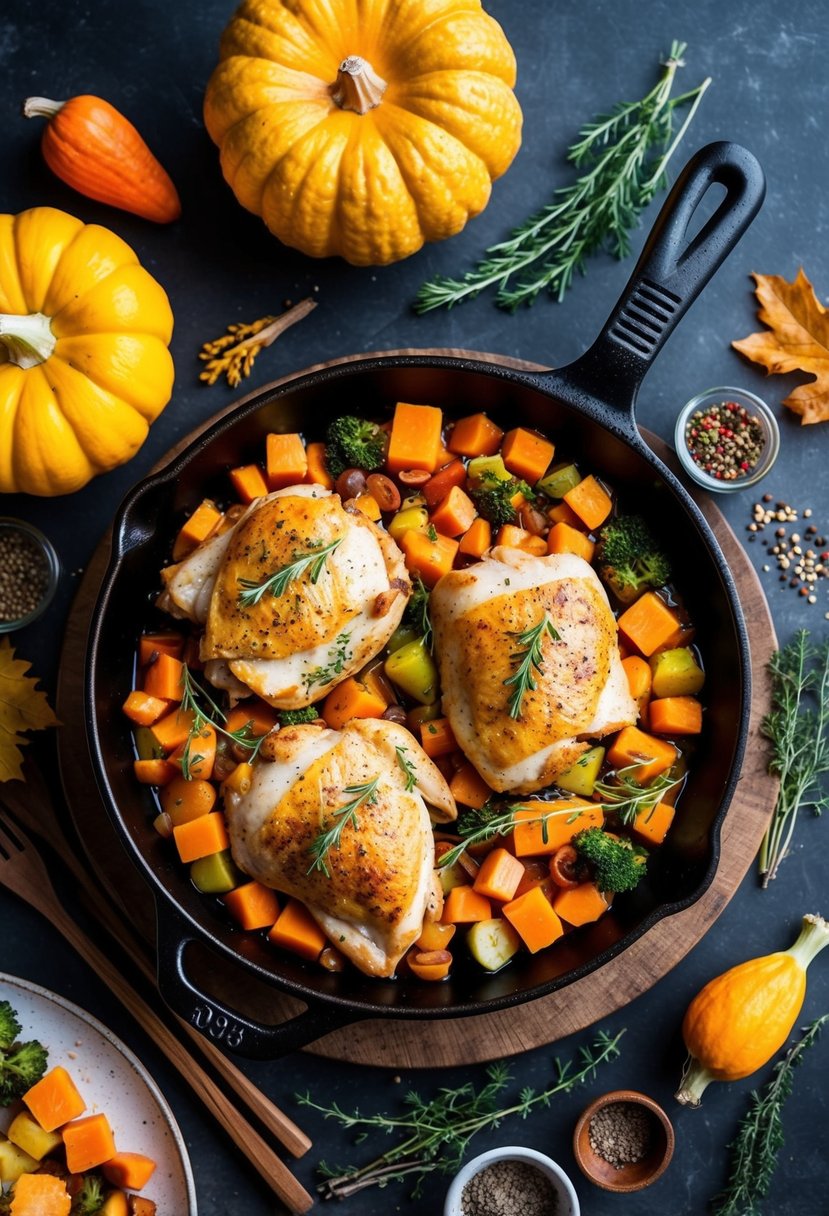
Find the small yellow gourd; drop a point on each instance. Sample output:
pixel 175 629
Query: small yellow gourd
pixel 741 1018
pixel 363 129
pixel 84 364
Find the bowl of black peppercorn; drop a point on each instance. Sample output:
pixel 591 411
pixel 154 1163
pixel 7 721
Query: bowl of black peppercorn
pixel 623 1141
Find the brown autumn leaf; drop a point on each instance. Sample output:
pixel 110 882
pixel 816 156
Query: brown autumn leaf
pixel 23 707
pixel 797 341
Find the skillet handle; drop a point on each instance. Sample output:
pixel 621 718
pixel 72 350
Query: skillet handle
pixel 225 1026
pixel 668 277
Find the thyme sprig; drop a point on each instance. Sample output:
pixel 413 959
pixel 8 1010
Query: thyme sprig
pixel 624 795
pixel 409 770
pixel 192 696
pixel 528 657
pixel 623 156
pixel 435 1133
pixel 760 1136
pixel 364 795
pixel 798 728
pixel 338 656
pixel 277 584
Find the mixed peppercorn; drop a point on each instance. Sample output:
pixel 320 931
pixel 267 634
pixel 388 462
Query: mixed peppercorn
pixel 725 440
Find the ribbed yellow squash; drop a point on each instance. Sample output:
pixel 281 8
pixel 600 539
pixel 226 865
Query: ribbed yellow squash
pixel 363 127
pixel 84 364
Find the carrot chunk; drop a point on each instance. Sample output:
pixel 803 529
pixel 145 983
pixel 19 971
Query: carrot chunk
pixel 297 931
pixel 562 514
pixel 440 483
pixel 142 708
pixel 649 623
pixel 566 817
pixel 455 514
pixel 184 800
pixel 475 435
pixel 317 468
pixel 477 539
pixel 258 717
pixel 163 678
pixel 469 788
pixel 369 506
pixel 130 1170
pixel 197 528
pixel 430 965
pixel 499 875
pixel 88 1142
pixel 651 756
pixel 169 732
pixel 590 501
pixel 431 559
pixel 153 772
pixel 248 482
pixel 286 461
pixel 152 644
pixel 351 700
pixel 201 837
pixel 415 441
pixel 652 822
pixel 582 904
pixel 253 905
pixel 464 905
pixel 675 716
pixel 201 752
pixel 55 1099
pixel 564 539
pixel 639 677
pixel 40 1195
pixel 527 454
pixel 533 918
pixel 436 737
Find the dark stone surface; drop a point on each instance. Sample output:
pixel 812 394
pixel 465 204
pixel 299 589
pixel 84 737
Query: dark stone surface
pixel 218 264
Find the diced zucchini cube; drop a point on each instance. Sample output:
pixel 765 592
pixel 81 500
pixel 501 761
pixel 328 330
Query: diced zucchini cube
pixel 676 673
pixel 559 481
pixel 492 943
pixel 581 776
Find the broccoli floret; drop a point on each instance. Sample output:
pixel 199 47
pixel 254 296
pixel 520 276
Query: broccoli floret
pixel 9 1026
pixel 630 557
pixel 296 717
pixel 90 1198
pixel 618 865
pixel 21 1066
pixel 354 443
pixel 493 498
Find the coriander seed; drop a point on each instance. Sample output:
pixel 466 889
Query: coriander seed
pixel 621 1133
pixel 24 574
pixel 509 1188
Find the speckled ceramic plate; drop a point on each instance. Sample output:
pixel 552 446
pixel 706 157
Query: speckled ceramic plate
pixel 111 1080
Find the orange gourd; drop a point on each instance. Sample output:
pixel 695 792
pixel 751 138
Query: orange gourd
pixel 92 147
pixel 741 1018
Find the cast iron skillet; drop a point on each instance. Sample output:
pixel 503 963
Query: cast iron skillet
pixel 588 409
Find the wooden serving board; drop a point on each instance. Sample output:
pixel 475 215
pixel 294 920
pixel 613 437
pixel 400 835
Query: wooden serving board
pixel 402 1044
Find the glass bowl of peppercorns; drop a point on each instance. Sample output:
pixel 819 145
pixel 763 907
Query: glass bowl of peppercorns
pixel 726 439
pixel 29 572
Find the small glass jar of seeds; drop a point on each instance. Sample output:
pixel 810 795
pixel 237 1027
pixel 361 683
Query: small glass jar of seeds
pixel 726 439
pixel 29 572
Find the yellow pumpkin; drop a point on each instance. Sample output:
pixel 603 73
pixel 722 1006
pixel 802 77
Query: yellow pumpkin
pixel 84 364
pixel 363 127
pixel 736 1023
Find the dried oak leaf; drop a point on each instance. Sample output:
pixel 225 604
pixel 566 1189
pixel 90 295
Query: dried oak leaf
pixel 23 707
pixel 797 340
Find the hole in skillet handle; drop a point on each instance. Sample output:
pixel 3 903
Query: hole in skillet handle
pixel 670 274
pixel 233 1031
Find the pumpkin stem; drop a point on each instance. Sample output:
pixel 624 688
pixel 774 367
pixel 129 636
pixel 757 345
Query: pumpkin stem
pixel 26 340
pixel 695 1080
pixel 814 935
pixel 357 87
pixel 41 107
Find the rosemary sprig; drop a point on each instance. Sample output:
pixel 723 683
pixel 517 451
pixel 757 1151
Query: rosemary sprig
pixel 528 658
pixel 232 355
pixel 435 1134
pixel 760 1136
pixel 192 693
pixel 277 584
pixel 624 156
pixel 798 728
pixel 365 794
pixel 478 826
pixel 408 768
pixel 626 797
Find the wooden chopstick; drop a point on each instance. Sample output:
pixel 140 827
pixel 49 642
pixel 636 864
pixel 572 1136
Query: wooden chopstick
pixel 33 807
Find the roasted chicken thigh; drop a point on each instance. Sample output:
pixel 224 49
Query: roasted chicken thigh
pixel 373 887
pixel 580 692
pixel 291 640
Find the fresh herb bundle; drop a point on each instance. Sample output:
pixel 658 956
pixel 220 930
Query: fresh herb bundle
pixel 623 157
pixel 798 729
pixel 435 1134
pixel 760 1136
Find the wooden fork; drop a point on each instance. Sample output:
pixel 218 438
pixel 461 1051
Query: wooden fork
pixel 22 870
pixel 32 806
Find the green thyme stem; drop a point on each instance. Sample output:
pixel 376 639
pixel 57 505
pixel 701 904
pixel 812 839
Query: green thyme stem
pixel 277 584
pixel 408 768
pixel 191 692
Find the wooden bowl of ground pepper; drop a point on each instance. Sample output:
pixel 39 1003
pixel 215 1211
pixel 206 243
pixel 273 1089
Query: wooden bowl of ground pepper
pixel 623 1141
pixel 29 571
